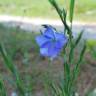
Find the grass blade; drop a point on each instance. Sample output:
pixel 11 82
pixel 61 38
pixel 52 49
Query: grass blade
pixel 78 38
pixel 2 88
pixel 9 64
pixel 72 3
pixel 76 69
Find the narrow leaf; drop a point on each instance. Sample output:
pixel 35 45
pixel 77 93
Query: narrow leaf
pixel 76 69
pixel 78 38
pixel 72 3
pixel 9 64
pixel 2 88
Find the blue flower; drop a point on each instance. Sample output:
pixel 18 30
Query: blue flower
pixel 51 42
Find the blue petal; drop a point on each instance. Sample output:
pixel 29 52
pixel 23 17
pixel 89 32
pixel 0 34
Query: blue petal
pixel 60 43
pixel 44 51
pixel 50 50
pixel 41 40
pixel 60 36
pixel 49 32
pixel 53 51
pixel 61 39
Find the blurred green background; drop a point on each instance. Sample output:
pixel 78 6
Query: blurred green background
pixel 41 8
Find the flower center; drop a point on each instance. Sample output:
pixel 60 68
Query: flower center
pixel 54 40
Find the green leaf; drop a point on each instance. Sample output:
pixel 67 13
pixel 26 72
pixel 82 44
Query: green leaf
pixel 54 89
pixel 64 12
pixel 82 53
pixel 71 57
pixel 77 66
pixel 71 53
pixel 67 71
pixel 78 38
pixel 67 77
pixel 72 3
pixel 2 88
pixel 9 64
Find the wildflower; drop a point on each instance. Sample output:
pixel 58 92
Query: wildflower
pixel 51 42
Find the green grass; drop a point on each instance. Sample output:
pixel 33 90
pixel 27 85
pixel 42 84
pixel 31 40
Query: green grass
pixel 41 8
pixel 17 40
pixel 92 48
pixel 91 43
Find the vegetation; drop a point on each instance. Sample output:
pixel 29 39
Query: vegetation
pixel 24 70
pixel 83 8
